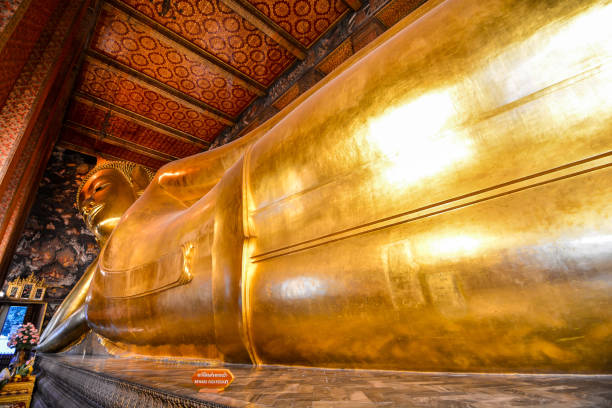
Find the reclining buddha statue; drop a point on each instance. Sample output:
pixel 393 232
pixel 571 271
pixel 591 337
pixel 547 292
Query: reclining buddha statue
pixel 440 202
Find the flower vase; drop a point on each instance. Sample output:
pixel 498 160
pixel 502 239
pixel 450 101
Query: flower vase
pixel 19 358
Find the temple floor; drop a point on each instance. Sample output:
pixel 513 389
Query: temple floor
pixel 129 382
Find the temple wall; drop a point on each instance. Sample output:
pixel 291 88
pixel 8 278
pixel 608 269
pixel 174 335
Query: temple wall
pixel 55 244
pixel 32 110
pixel 23 40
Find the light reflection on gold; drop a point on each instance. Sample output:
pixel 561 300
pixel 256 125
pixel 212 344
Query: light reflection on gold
pixel 560 50
pixel 109 222
pixel 593 240
pixel 421 149
pixel 188 255
pixel 463 245
pixel 303 287
pixel 170 175
pixel 427 115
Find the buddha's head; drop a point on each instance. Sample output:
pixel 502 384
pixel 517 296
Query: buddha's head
pixel 107 191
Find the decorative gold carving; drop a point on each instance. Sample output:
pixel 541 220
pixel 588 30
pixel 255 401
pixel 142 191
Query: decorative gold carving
pixel 30 288
pixel 158 86
pixel 122 72
pixel 18 392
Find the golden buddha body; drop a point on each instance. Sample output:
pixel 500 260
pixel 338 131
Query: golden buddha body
pixel 440 202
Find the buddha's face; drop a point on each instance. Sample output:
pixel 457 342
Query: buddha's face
pixel 103 200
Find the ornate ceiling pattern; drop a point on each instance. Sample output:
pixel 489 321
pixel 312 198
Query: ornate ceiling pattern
pixel 138 47
pixel 87 116
pixel 305 20
pixel 156 85
pixel 102 81
pixel 76 140
pixel 218 30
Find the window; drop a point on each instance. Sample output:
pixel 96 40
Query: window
pixel 14 319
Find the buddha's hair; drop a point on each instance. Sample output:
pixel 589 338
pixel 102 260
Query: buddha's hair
pixel 124 167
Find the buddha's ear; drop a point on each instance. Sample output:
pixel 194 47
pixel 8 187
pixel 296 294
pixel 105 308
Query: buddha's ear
pixel 140 179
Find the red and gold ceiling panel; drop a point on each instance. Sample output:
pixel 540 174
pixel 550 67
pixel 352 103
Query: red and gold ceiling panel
pixel 215 28
pixel 141 48
pixel 76 138
pixel 305 20
pixel 86 114
pixel 140 135
pixel 118 88
pixel 93 117
pixel 153 88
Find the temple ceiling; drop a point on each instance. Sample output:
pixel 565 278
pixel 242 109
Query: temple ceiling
pixel 158 84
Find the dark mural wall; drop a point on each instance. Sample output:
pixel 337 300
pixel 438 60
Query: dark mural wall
pixel 55 244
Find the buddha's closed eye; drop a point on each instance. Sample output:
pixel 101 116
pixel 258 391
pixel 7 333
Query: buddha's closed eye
pixel 101 187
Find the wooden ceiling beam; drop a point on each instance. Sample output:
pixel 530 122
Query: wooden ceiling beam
pixel 141 120
pixel 87 151
pixel 168 91
pixel 116 141
pixel 251 14
pixel 354 4
pixel 253 85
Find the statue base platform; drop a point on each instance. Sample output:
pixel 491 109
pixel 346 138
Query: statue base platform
pixel 100 381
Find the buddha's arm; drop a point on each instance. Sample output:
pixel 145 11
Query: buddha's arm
pixel 65 333
pixel 189 179
pixel 68 321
